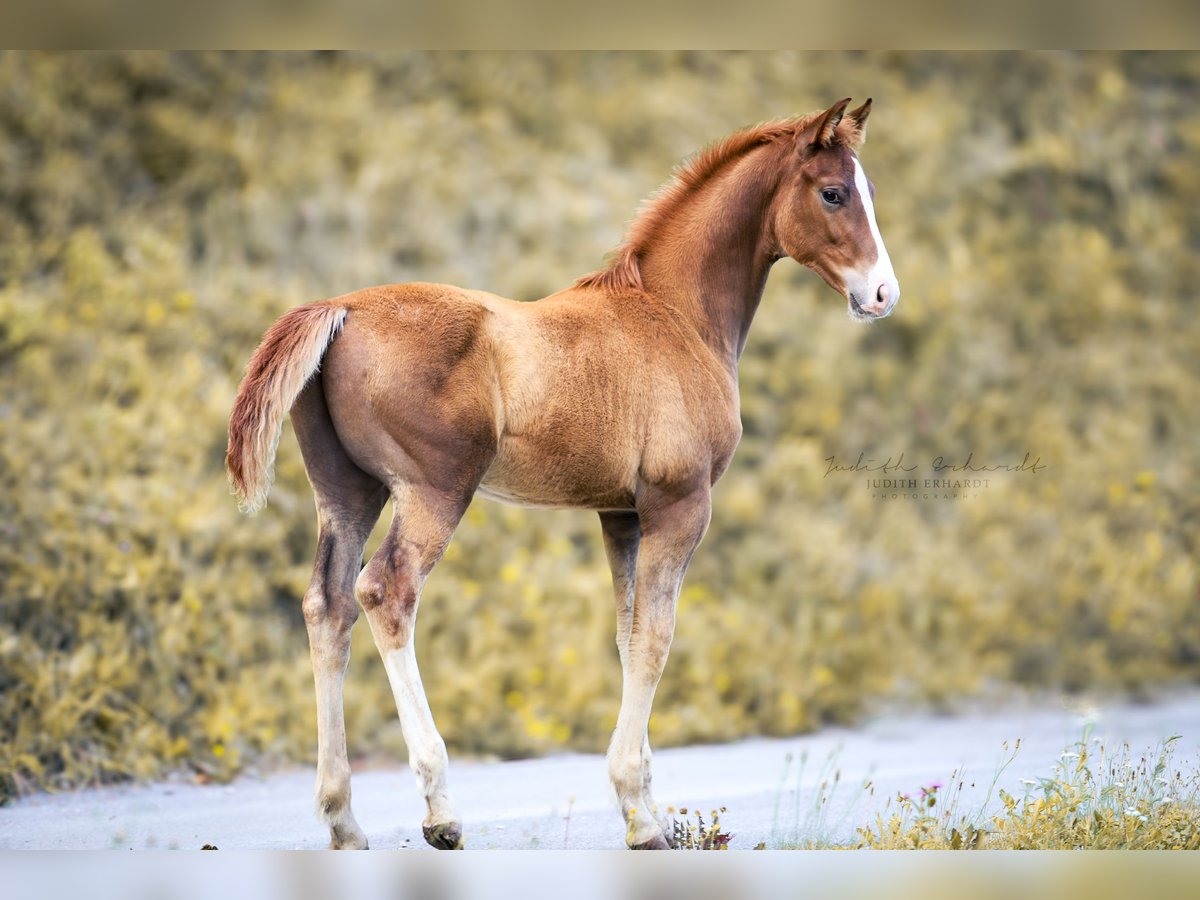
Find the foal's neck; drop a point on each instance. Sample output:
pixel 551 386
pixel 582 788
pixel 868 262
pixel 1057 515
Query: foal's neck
pixel 711 259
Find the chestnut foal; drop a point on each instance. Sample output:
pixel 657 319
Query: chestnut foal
pixel 618 394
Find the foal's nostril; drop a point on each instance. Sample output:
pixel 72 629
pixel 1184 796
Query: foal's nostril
pixel 883 295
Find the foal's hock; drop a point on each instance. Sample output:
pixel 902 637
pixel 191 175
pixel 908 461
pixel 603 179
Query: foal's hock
pixel 618 394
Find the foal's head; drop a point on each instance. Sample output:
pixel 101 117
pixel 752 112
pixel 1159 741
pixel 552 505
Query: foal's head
pixel 826 216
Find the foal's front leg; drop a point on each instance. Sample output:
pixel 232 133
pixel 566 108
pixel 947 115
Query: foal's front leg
pixel 622 537
pixel 670 529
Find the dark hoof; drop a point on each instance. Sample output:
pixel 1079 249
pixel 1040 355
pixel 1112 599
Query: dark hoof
pixel 447 836
pixel 658 842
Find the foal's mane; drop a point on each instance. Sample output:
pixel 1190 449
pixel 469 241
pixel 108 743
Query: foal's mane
pixel 622 271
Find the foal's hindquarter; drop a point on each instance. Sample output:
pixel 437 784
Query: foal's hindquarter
pixel 583 400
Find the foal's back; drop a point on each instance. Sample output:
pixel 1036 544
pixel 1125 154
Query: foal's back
pixel 572 400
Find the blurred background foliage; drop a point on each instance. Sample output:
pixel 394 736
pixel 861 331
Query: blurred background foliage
pixel 158 212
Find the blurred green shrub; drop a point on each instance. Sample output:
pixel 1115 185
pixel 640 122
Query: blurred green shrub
pixel 157 212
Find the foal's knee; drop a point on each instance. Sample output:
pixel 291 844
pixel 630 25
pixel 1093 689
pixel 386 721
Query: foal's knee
pixel 654 634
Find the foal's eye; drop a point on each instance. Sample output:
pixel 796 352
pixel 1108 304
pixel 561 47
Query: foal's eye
pixel 833 198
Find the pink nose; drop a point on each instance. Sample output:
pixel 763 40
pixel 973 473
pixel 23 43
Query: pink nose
pixel 883 301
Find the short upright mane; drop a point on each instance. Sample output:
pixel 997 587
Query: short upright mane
pixel 622 271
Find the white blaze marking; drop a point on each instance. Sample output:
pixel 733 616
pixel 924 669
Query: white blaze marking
pixel 882 271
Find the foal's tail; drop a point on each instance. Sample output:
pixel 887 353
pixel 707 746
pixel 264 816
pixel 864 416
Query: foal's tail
pixel 289 355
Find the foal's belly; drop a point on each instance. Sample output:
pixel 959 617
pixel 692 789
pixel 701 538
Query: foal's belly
pixel 540 473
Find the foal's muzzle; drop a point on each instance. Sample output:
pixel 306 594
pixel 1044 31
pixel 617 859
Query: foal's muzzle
pixel 877 304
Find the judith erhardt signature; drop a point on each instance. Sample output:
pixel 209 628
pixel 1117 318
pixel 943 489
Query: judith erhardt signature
pixel 1030 463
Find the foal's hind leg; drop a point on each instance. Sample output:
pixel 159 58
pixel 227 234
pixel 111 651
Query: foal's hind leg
pixel 671 527
pixel 389 589
pixel 329 614
pixel 348 504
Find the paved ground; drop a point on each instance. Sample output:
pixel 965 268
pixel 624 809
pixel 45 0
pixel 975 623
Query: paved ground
pixel 769 793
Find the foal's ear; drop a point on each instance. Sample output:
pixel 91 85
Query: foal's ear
pixel 857 119
pixel 826 134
